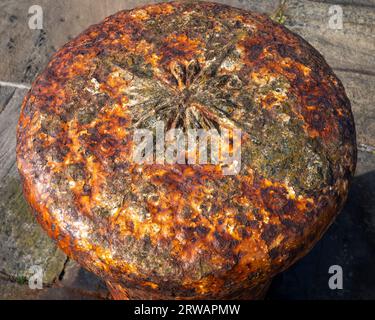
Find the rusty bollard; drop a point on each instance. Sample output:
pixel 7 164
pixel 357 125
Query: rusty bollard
pixel 154 228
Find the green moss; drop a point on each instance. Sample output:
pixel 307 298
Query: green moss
pixel 21 280
pixel 279 14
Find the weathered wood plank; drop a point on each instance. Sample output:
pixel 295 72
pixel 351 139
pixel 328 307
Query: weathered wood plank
pixel 352 47
pixel 6 93
pixel 361 92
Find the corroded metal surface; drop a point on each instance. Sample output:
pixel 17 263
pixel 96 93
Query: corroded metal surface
pixel 186 231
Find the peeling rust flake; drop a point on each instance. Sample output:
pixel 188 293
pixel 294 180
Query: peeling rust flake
pixel 186 231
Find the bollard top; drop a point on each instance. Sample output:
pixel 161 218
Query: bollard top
pixel 186 230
